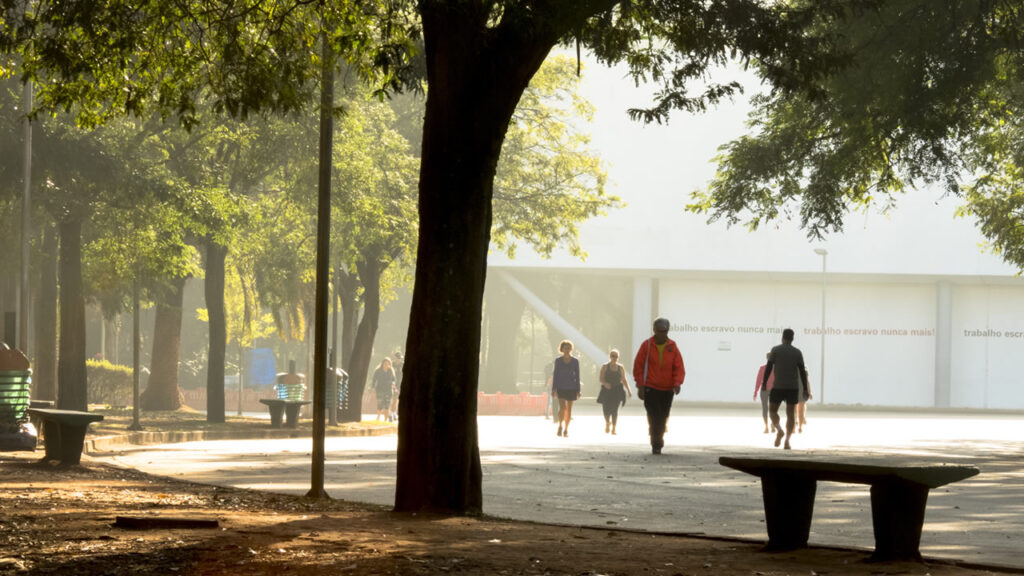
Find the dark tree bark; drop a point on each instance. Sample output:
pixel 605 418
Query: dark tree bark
pixel 44 373
pixel 476 75
pixel 349 286
pixel 72 393
pixel 162 392
pixel 362 349
pixel 214 288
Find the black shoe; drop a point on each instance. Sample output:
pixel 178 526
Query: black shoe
pixel 655 450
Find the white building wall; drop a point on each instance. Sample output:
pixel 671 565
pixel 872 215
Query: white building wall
pixel 879 343
pixel 988 347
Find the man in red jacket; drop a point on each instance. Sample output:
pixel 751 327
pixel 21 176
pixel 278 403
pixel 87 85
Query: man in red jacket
pixel 659 374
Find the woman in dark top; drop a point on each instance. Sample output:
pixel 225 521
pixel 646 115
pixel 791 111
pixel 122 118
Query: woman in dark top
pixel 613 390
pixel 384 386
pixel 565 382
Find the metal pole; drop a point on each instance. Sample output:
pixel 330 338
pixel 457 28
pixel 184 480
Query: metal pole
pixel 824 257
pixel 26 227
pixel 136 348
pixel 533 339
pixel 241 373
pixel 323 247
pixel 332 403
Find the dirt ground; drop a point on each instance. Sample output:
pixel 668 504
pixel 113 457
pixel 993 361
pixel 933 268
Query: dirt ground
pixel 59 520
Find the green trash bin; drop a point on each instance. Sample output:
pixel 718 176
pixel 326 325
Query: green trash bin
pixel 15 388
pixel 16 432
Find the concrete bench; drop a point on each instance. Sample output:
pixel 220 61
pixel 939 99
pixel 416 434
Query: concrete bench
pixel 899 493
pixel 64 433
pixel 289 408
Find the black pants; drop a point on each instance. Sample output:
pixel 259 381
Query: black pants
pixel 658 404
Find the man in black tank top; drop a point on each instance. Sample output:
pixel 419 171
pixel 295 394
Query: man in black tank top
pixel 787 363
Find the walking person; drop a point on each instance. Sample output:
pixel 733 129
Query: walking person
pixel 801 406
pixel 565 382
pixel 549 374
pixel 396 365
pixel 384 387
pixel 786 362
pixel 659 373
pixel 763 393
pixel 614 389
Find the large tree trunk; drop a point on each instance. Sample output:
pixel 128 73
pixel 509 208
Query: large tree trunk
pixel 162 392
pixel 362 348
pixel 72 393
pixel 214 286
pixel 349 287
pixel 476 76
pixel 44 373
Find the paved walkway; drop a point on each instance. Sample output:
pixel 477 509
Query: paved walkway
pixel 601 480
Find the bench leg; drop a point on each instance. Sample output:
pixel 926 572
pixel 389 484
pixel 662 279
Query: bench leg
pixel 72 440
pixel 64 443
pixel 51 441
pixel 275 415
pixel 291 415
pixel 897 512
pixel 788 507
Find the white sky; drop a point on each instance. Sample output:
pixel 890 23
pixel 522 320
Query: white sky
pixel 654 168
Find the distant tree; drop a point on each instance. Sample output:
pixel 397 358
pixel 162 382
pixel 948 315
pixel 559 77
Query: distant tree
pixel 548 180
pixel 374 220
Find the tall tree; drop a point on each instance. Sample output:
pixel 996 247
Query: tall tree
pixel 162 391
pixel 480 57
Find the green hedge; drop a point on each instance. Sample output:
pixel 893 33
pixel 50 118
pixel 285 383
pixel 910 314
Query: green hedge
pixel 109 384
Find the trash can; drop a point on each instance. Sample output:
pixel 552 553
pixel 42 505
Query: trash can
pixel 290 385
pixel 15 387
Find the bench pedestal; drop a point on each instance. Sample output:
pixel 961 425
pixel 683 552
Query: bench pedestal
pixel 897 513
pixel 289 409
pixel 788 508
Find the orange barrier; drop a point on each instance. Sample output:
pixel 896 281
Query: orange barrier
pixel 522 404
pixel 195 398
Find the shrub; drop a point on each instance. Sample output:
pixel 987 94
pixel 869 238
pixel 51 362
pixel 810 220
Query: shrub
pixel 109 384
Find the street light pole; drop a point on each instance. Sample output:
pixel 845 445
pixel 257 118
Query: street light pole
pixel 26 224
pixel 824 257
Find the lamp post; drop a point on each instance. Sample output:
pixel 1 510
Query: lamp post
pixel 824 257
pixel 26 223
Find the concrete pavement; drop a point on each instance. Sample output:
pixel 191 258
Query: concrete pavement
pixel 595 479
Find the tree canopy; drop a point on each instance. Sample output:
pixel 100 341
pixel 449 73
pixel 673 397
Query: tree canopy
pixel 932 95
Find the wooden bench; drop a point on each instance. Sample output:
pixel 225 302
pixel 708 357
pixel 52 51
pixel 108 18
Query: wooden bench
pixel 64 433
pixel 899 493
pixel 289 408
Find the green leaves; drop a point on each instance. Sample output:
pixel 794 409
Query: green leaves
pixel 238 57
pixel 548 181
pixel 928 96
pixel 676 43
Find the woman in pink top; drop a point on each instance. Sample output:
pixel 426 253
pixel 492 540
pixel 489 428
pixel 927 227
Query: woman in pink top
pixel 764 395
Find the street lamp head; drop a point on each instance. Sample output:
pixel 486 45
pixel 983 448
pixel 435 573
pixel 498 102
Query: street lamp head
pixel 821 252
